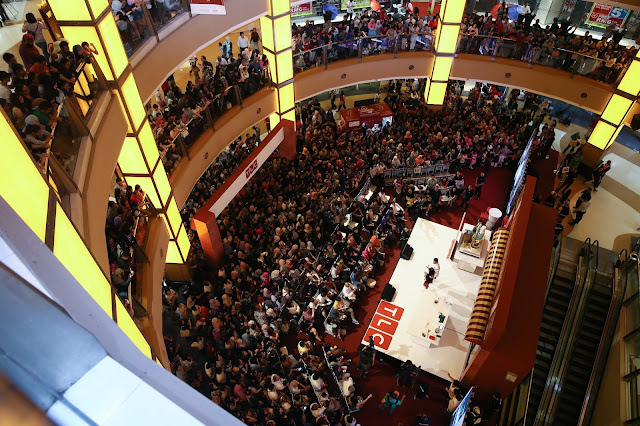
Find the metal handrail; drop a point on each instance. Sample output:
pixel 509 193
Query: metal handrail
pixel 550 384
pixel 566 353
pixel 619 288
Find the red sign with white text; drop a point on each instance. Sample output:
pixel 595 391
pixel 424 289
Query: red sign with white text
pixel 384 324
pixel 208 7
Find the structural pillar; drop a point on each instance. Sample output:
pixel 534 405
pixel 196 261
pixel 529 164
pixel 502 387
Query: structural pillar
pixel 445 42
pixel 210 240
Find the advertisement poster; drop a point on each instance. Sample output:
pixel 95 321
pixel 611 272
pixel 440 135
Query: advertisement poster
pixel 357 4
pixel 301 9
pixel 208 7
pixel 602 15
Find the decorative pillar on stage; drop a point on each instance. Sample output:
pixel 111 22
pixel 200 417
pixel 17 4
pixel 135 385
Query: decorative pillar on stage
pixel 482 307
pixel 620 103
pixel 92 21
pixel 445 42
pixel 276 44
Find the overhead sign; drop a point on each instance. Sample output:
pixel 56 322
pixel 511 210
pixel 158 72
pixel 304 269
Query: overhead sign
pixel 603 15
pixel 301 9
pixel 208 7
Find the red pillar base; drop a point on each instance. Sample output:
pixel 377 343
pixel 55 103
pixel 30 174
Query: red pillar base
pixel 210 239
pixel 287 148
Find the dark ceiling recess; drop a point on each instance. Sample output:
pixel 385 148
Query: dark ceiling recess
pixel 343 76
pixel 508 75
pixel 411 67
pixel 259 111
pixel 206 155
pixel 583 95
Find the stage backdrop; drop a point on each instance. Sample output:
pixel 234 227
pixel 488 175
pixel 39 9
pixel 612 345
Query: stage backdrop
pixel 208 7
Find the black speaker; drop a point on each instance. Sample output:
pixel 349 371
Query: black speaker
pixel 407 252
pixel 388 292
pixel 635 122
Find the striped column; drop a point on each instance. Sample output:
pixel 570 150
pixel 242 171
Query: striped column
pixel 482 308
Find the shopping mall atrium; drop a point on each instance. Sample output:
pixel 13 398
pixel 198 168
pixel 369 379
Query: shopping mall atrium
pixel 213 212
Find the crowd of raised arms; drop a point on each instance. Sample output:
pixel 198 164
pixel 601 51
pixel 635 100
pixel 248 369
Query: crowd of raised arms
pixel 293 266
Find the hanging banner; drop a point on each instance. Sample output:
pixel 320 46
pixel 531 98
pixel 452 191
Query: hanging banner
pixel 357 4
pixel 603 15
pixel 301 9
pixel 208 7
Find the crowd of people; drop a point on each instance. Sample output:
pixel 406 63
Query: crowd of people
pixel 295 267
pixel 34 87
pixel 556 45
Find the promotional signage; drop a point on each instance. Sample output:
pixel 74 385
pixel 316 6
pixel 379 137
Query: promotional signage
pixel 357 4
pixel 208 7
pixel 603 15
pixel 301 9
pixel 457 419
pixel 384 324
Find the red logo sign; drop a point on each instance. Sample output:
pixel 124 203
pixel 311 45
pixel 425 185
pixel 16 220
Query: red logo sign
pixel 301 8
pixel 384 324
pixel 251 168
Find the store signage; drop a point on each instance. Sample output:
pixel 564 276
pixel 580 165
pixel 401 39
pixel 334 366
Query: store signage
pixel 301 9
pixel 208 7
pixel 384 324
pixel 357 4
pixel 603 15
pixel 251 169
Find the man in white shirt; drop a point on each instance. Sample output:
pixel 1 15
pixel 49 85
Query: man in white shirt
pixel 436 267
pixel 350 6
pixel 524 10
pixel 5 91
pixel 243 42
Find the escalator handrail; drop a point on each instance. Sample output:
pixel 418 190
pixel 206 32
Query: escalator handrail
pixel 550 383
pixel 617 299
pixel 574 330
pixel 555 261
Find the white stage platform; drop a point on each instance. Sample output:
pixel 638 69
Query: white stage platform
pixel 455 290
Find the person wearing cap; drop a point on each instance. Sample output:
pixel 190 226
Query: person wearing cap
pixel 391 400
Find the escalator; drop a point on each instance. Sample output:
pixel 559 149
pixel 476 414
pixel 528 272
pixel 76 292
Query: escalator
pixel 568 270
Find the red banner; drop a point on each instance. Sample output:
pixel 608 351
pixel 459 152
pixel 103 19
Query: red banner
pixel 301 8
pixel 208 7
pixel 603 15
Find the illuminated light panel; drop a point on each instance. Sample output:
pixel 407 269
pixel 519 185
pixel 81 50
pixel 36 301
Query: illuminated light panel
pixel 616 109
pixel 84 106
pixel 173 254
pixel 286 97
pixel 282 32
pixel 130 159
pixel 70 10
pixel 284 64
pixel 274 119
pixel 266 28
pixel 76 35
pixel 149 147
pixel 132 99
pixel 130 328
pixel 98 6
pixel 278 7
pixel 448 39
pixel 291 116
pixel 436 93
pixel 146 184
pixel 82 85
pixel 174 217
pixel 24 189
pixel 162 183
pixel 453 10
pixel 117 95
pixel 630 83
pixel 111 37
pixel 183 242
pixel 72 252
pixel 601 135
pixel 442 68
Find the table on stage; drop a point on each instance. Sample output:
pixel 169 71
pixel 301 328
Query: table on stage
pixel 429 320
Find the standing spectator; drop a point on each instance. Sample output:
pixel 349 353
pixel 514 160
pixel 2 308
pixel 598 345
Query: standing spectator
pixel 467 195
pixel 28 51
pixel 391 400
pixel 350 6
pixel 5 90
pixel 34 27
pixel 243 42
pixel 480 181
pixel 581 206
pixel 599 172
pixel 255 38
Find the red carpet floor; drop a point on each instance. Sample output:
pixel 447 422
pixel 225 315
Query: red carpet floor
pixel 381 377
